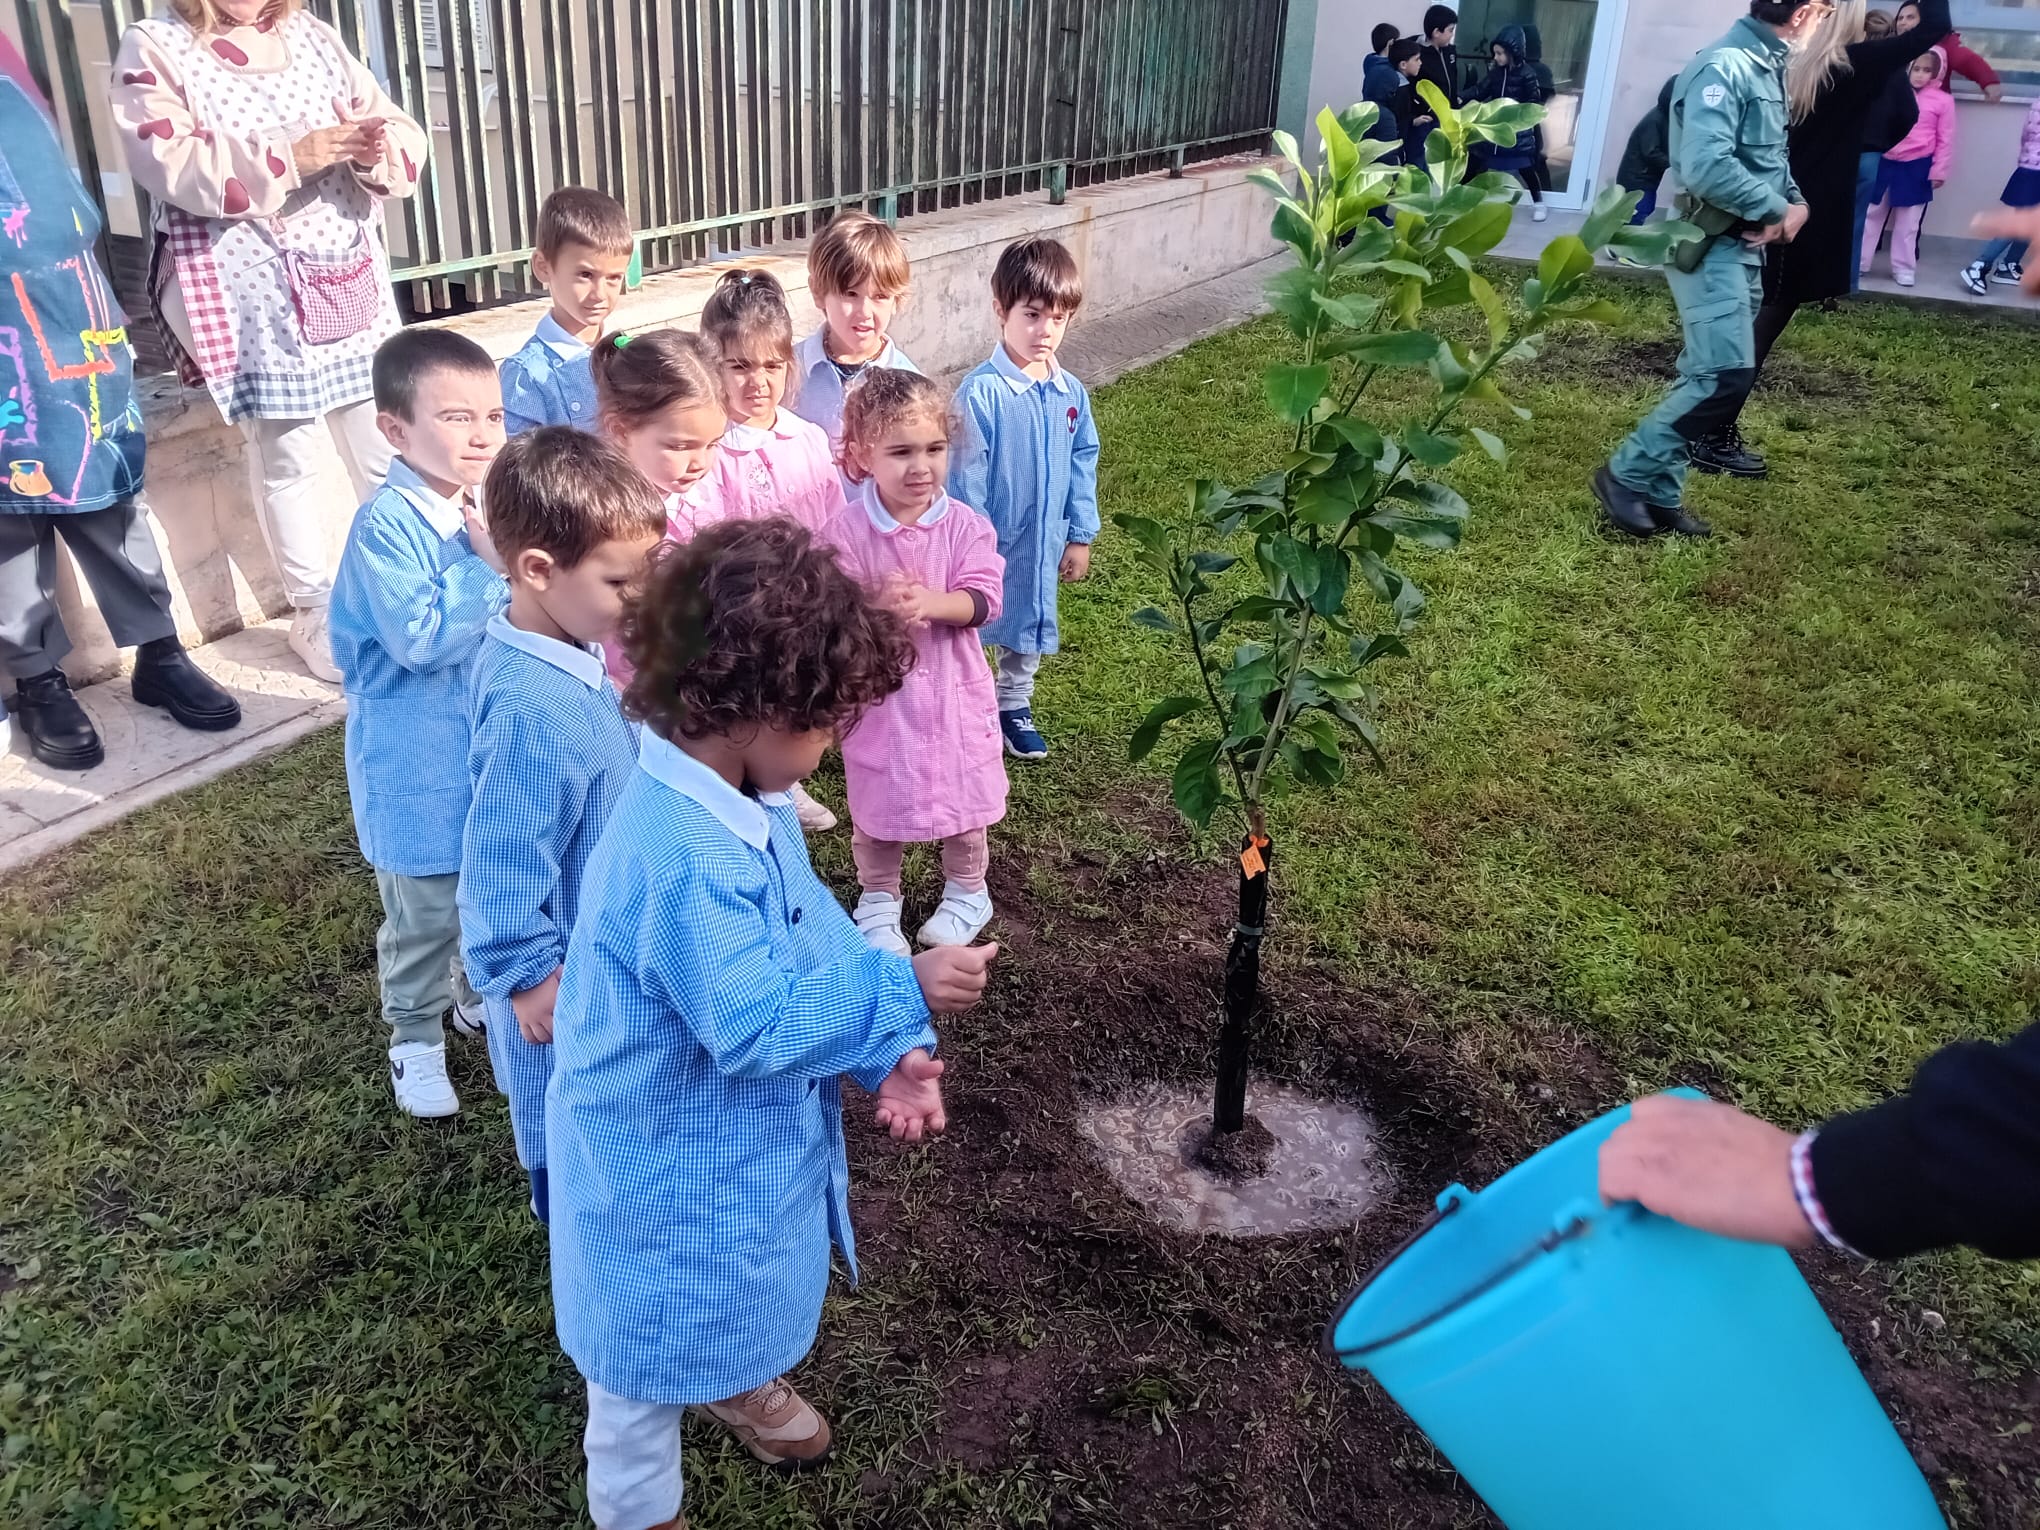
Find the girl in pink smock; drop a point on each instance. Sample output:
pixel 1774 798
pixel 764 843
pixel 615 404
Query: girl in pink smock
pixel 772 461
pixel 926 763
pixel 658 399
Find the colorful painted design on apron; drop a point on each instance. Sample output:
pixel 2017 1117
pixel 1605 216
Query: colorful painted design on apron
pixel 70 431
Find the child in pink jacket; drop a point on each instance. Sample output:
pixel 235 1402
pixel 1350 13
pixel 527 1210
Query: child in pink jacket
pixel 772 461
pixel 1914 168
pixel 927 763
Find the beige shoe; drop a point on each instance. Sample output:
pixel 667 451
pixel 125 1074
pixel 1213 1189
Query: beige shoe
pixel 775 1424
pixel 814 817
pixel 309 641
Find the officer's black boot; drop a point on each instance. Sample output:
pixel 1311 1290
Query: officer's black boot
pixel 1625 509
pixel 1724 452
pixel 58 731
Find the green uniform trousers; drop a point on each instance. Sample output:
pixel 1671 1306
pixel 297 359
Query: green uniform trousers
pixel 1717 304
pixel 417 955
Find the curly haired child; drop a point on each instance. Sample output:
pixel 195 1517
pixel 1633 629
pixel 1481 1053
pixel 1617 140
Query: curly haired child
pixel 714 994
pixel 924 765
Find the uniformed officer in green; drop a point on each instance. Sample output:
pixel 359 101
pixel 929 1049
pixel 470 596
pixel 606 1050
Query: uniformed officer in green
pixel 1728 151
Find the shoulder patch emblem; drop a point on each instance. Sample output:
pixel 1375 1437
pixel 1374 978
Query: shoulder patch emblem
pixel 1714 95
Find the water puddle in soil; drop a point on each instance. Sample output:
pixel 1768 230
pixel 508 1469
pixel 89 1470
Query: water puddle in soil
pixel 1325 1169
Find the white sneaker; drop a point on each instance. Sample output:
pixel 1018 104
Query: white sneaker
pixel 877 917
pixel 814 817
pixel 470 1019
pixel 309 641
pixel 1539 212
pixel 1905 278
pixel 959 919
pixel 418 1074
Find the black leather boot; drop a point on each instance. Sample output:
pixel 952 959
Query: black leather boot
pixel 1680 521
pixel 58 731
pixel 1625 508
pixel 165 677
pixel 1724 452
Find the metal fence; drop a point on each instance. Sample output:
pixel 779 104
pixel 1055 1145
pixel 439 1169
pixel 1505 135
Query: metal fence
pixel 726 126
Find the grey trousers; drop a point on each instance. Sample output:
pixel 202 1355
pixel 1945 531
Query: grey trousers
pixel 417 954
pixel 1013 678
pixel 117 554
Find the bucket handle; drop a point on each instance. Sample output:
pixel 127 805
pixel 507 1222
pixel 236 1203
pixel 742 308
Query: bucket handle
pixel 1448 1202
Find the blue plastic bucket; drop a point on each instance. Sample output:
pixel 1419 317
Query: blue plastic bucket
pixel 1602 1368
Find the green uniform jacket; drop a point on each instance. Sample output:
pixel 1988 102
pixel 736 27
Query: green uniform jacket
pixel 1728 126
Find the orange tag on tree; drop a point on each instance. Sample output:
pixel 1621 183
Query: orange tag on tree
pixel 1250 858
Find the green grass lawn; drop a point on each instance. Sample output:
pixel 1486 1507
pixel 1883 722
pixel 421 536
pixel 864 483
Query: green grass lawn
pixel 1758 813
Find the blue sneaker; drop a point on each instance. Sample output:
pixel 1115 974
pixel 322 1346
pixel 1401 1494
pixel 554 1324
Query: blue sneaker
pixel 1022 742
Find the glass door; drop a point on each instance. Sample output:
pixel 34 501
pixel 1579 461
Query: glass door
pixel 1572 44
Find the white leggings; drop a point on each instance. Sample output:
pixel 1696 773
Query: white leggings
pixel 290 473
pixel 633 1461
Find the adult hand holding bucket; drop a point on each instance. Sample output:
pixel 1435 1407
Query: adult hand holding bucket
pixel 1709 1166
pixel 1588 1366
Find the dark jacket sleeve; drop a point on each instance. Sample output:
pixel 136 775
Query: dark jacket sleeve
pixel 1876 57
pixel 1954 1160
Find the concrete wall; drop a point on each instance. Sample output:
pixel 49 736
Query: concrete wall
pixel 1136 241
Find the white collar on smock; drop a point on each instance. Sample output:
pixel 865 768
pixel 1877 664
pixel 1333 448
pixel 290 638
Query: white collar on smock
pixel 1017 378
pixel 442 515
pixel 670 765
pixel 882 518
pixel 813 351
pixel 554 337
pixel 748 438
pixel 576 660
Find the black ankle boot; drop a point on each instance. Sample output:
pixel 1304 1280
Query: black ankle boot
pixel 1724 452
pixel 165 677
pixel 58 731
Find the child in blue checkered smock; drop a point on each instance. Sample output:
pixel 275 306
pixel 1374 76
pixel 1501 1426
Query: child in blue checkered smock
pixel 582 259
pixel 714 994
pixel 573 522
pixel 1029 462
pixel 419 581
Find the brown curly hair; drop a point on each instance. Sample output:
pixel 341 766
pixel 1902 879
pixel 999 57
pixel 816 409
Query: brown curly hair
pixel 884 398
pixel 754 623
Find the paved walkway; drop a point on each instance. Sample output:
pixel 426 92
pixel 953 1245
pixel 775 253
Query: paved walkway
pixel 1941 259
pixel 148 756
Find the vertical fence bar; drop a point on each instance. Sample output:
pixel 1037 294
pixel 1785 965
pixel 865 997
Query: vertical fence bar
pixel 823 119
pixel 792 115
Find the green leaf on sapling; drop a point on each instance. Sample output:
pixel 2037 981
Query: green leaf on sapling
pixel 1156 618
pixel 1195 783
pixel 1294 390
pixel 1160 715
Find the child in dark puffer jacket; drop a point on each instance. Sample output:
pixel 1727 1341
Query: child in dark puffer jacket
pixel 1513 79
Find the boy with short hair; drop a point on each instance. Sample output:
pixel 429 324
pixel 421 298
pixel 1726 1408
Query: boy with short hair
pixel 583 256
pixel 1029 462
pixel 1441 54
pixel 1379 83
pixel 1413 113
pixel 418 583
pixel 857 274
pixel 573 522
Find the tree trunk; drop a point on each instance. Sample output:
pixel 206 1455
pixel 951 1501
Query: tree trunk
pixel 1242 989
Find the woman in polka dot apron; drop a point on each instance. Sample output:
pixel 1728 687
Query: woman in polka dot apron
pixel 268 149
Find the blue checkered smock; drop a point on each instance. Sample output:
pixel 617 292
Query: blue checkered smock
pixel 548 382
pixel 714 991
pixel 550 755
pixel 1029 461
pixel 409 606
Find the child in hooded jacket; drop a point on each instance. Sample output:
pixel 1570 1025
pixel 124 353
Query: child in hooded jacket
pixel 1917 165
pixel 2003 260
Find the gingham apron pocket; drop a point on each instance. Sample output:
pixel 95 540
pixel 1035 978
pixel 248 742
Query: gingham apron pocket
pixel 336 296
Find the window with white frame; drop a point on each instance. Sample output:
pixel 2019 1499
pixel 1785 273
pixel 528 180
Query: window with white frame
pixel 426 16
pixel 2007 33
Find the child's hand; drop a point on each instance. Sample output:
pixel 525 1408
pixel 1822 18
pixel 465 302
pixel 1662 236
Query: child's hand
pixel 906 598
pixel 1076 562
pixel 534 1009
pixel 1937 181
pixel 910 1098
pixel 952 978
pixel 480 540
